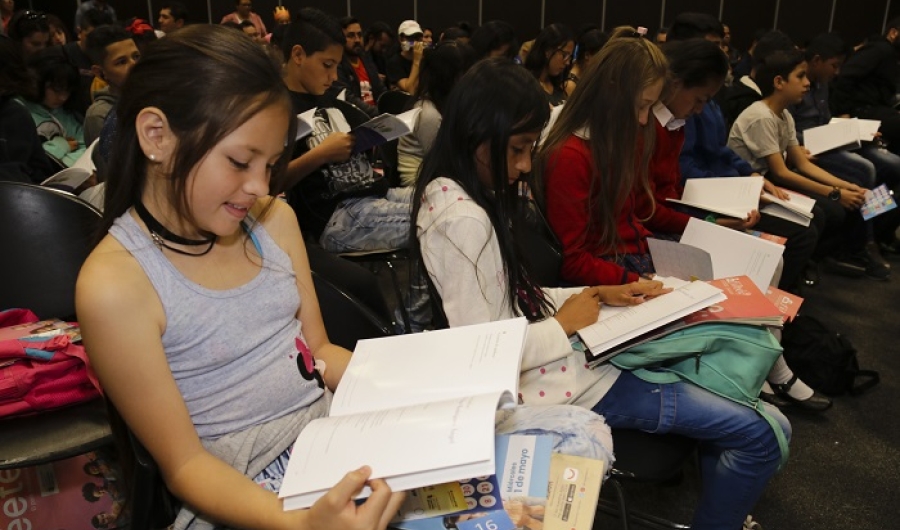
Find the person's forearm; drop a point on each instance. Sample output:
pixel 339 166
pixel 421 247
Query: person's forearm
pixel 793 180
pixel 412 82
pixel 221 493
pixel 336 359
pixel 820 175
pixel 300 168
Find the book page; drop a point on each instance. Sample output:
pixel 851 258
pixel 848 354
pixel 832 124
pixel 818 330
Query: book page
pixel 831 136
pixel 618 325
pixel 410 447
pixel 867 128
pixel 422 367
pixel 384 128
pixel 305 123
pixel 671 258
pixel 735 253
pixel 797 202
pixel 731 196
pixel 80 171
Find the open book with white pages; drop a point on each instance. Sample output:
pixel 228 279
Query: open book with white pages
pixel 797 209
pixel 708 251
pixel 418 409
pixel 379 130
pixel 834 135
pixel 730 196
pixel 617 326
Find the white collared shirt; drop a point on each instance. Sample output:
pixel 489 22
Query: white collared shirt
pixel 666 118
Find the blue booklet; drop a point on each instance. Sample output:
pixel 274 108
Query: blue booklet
pixel 512 498
pixel 878 201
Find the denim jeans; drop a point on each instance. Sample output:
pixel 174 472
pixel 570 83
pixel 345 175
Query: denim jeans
pixel 370 224
pixel 849 166
pixel 366 224
pixel 738 450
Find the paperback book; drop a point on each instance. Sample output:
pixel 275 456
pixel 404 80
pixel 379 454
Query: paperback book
pixel 435 391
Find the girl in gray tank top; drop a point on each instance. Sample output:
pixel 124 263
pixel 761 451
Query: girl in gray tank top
pixel 197 308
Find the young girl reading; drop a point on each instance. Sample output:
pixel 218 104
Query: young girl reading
pixel 466 225
pixel 190 306
pixel 198 308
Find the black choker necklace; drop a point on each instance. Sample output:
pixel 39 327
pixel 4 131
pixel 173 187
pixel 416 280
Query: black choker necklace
pixel 161 234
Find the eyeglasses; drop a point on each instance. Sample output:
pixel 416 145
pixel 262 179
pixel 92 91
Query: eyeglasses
pixel 565 55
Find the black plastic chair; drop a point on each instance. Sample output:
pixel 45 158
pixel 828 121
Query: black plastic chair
pixel 347 320
pixel 47 236
pixel 354 115
pixel 394 101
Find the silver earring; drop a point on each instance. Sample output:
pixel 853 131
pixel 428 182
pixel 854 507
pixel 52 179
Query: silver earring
pixel 153 158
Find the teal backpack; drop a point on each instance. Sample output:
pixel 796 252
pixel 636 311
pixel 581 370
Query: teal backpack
pixel 730 360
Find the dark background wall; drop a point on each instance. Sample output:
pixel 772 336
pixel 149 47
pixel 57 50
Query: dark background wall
pixel 801 19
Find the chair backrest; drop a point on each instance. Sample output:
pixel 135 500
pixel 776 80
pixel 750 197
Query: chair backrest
pixel 47 235
pixel 353 114
pixel 394 101
pixel 346 319
pixel 390 162
pixel 542 250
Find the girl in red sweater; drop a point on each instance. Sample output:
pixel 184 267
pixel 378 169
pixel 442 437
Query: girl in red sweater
pixel 594 162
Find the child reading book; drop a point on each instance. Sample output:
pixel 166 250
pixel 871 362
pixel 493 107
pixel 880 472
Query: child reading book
pixel 191 304
pixel 765 130
pixel 465 209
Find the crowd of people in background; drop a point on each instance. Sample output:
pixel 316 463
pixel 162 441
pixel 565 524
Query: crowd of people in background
pixel 597 128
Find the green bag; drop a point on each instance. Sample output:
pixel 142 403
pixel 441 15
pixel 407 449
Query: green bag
pixel 729 360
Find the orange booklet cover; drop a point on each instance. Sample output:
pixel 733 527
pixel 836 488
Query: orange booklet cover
pixel 745 304
pixel 787 303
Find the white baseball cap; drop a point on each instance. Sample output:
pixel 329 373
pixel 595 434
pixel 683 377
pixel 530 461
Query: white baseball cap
pixel 409 28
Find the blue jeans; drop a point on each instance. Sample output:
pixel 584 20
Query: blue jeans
pixel 371 224
pixel 849 166
pixel 366 224
pixel 738 450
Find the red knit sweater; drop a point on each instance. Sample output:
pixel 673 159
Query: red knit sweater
pixel 665 171
pixel 568 176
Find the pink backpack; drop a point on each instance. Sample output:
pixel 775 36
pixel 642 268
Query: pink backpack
pixel 40 372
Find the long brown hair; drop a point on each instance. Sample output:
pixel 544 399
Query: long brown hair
pixel 604 104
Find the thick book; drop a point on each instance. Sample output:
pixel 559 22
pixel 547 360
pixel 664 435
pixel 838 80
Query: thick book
pixel 436 392
pixel 799 209
pixel 729 196
pixel 379 130
pixel 618 326
pixel 835 135
pixel 746 304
